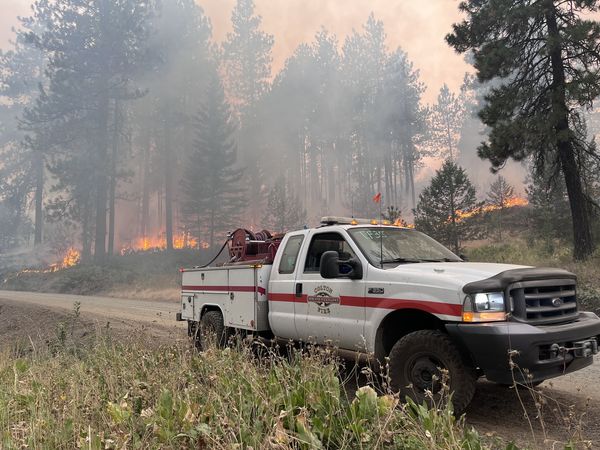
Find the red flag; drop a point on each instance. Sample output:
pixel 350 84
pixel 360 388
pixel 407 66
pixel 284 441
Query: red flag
pixel 377 198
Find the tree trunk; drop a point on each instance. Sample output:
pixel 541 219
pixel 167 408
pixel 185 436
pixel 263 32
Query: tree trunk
pixel 212 228
pixel 113 180
pixel 101 182
pixel 582 234
pixel 455 241
pixel 146 191
pixel 86 241
pixel 39 193
pixel 168 186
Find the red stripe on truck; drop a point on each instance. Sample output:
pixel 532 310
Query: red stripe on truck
pixel 275 297
pixel 261 290
pixel 384 303
pixel 345 300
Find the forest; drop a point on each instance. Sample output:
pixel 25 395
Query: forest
pixel 124 126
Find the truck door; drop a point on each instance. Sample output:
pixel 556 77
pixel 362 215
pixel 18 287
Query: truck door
pixel 333 310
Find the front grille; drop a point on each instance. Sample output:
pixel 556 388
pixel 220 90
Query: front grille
pixel 544 302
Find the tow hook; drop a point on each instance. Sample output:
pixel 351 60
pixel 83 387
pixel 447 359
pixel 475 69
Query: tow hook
pixel 580 349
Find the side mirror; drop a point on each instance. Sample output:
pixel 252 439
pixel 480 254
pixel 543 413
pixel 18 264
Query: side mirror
pixel 330 267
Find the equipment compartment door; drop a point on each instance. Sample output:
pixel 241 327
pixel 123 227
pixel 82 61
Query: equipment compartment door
pixel 242 298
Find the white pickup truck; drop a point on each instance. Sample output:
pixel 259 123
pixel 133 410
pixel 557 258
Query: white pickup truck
pixel 385 291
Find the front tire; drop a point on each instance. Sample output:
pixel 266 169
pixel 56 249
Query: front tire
pixel 212 331
pixel 415 363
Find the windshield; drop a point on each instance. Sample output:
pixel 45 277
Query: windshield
pixel 398 245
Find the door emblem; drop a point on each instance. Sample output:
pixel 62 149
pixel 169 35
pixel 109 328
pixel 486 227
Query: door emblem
pixel 324 299
pixel 376 290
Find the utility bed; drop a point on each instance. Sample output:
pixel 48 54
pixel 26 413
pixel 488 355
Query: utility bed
pixel 239 291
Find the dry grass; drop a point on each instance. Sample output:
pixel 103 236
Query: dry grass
pixel 107 394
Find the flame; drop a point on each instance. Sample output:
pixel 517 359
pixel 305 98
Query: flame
pixel 159 243
pixel 509 203
pixel 71 258
pixel 400 222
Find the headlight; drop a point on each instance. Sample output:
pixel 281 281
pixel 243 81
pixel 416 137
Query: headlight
pixel 484 307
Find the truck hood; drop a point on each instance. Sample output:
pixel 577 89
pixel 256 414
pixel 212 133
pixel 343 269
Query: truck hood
pixel 455 274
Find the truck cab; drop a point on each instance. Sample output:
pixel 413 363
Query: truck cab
pixel 397 295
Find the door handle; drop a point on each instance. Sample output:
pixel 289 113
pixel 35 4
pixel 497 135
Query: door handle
pixel 298 289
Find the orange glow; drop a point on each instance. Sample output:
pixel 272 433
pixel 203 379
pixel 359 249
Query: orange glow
pixel 71 258
pixel 399 222
pixel 159 243
pixel 509 203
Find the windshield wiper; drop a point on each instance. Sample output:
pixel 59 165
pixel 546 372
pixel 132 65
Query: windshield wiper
pixel 400 261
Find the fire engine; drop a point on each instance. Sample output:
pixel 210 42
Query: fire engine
pixel 394 295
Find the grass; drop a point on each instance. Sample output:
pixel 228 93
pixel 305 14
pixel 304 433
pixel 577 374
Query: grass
pixel 109 394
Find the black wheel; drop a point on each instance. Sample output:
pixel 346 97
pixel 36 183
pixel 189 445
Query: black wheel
pixel 211 331
pixel 415 363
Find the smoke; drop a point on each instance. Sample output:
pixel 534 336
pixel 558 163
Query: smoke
pixel 312 148
pixel 8 19
pixel 418 27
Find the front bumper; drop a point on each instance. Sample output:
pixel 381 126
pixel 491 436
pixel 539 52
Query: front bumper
pixel 538 352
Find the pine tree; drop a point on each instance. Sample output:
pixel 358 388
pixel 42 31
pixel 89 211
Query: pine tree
pixel 213 198
pixel 284 210
pixel 543 57
pixel 180 41
pixel 22 170
pixel 246 58
pixel 447 117
pixel 443 205
pixel 95 49
pixel 549 213
pixel 246 70
pixel 499 195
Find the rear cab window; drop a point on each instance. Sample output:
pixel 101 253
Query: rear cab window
pixel 289 257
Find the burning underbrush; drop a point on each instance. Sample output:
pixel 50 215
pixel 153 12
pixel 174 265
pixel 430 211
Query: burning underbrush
pixel 513 202
pixel 142 272
pixel 158 243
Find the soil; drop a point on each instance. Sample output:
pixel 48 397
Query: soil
pixel 559 410
pixel 30 319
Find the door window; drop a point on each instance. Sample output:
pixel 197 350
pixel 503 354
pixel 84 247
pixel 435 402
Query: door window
pixel 290 254
pixel 324 242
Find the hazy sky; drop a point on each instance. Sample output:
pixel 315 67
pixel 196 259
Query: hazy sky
pixel 418 26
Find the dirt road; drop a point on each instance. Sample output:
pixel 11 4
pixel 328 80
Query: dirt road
pixel 565 405
pixel 112 309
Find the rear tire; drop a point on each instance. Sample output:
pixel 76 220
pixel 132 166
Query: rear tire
pixel 415 361
pixel 211 331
